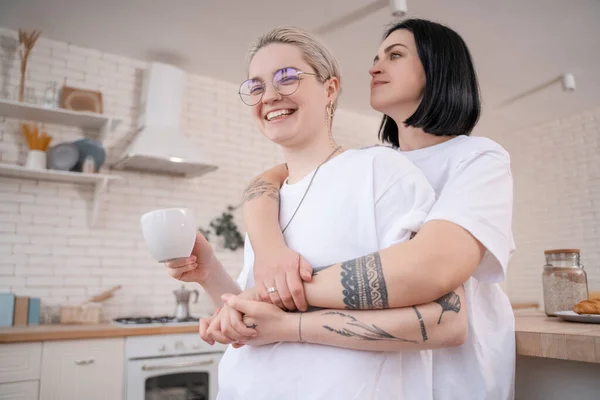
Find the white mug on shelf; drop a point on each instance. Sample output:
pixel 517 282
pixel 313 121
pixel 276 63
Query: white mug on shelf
pixel 36 159
pixel 169 233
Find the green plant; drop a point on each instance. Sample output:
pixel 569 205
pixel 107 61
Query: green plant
pixel 225 227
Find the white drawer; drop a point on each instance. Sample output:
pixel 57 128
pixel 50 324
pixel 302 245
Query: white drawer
pixel 83 370
pixel 20 362
pixel 27 390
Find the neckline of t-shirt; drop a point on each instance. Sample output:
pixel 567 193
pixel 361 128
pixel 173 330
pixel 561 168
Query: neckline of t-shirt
pixel 304 181
pixel 427 151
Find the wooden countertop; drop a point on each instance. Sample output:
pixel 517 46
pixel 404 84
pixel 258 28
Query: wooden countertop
pixel 73 332
pixel 551 337
pixel 536 335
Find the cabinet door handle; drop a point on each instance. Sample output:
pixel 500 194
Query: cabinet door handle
pixel 85 362
pixel 177 365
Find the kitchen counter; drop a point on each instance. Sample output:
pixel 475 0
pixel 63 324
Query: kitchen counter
pixel 551 337
pixel 72 332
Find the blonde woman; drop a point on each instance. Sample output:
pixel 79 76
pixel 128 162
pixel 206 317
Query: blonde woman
pixel 336 205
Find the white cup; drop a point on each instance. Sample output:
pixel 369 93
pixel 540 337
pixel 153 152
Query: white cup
pixel 169 233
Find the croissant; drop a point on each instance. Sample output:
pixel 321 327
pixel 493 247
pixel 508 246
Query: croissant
pixel 588 307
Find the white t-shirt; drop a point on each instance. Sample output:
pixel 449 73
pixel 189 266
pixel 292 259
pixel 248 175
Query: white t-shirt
pixel 474 189
pixel 360 202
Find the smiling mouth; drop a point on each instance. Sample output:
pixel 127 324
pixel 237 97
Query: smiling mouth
pixel 279 114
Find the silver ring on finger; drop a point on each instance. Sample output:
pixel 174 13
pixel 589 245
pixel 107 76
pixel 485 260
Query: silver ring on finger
pixel 272 290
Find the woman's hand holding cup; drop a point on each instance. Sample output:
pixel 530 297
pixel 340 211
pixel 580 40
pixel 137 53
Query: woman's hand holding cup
pixel 172 238
pixel 196 267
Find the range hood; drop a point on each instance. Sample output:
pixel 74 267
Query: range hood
pixel 159 145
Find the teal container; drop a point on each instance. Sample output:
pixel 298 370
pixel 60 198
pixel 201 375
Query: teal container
pixel 33 317
pixel 7 309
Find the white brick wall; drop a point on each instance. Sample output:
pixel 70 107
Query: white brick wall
pixel 556 169
pixel 46 246
pixel 48 250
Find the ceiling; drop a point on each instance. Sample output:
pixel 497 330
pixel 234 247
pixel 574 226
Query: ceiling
pixel 516 44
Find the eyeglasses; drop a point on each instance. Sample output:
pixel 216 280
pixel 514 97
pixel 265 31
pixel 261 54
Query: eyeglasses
pixel 285 81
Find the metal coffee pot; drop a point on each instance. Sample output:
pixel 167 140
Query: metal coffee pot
pixel 182 297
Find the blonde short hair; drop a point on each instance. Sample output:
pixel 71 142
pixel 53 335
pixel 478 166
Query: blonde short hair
pixel 315 53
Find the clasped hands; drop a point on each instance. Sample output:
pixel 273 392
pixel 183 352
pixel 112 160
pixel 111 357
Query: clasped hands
pixel 245 319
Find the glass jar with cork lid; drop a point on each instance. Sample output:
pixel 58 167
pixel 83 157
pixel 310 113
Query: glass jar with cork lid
pixel 564 280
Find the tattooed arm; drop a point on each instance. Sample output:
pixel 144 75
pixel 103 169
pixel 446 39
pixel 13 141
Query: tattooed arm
pixel 438 324
pixel 401 275
pixel 261 216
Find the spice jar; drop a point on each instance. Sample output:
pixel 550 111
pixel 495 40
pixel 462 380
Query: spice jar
pixel 564 281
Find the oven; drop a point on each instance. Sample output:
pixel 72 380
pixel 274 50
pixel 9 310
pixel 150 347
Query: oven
pixel 171 367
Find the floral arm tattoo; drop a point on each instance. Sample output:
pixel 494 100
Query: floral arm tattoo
pixel 259 187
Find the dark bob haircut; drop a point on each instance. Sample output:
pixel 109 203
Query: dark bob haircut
pixel 451 103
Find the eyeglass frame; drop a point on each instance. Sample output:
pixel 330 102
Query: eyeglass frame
pixel 264 84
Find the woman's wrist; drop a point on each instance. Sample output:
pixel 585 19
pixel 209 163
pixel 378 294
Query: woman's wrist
pixel 291 327
pixel 268 243
pixel 214 272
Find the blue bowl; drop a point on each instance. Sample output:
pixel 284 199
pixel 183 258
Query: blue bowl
pixel 89 147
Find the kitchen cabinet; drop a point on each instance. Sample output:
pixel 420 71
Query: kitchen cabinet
pixel 20 366
pixel 27 390
pixel 83 369
pixel 20 362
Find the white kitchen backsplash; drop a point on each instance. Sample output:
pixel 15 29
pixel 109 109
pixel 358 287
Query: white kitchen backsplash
pixel 556 170
pixel 47 248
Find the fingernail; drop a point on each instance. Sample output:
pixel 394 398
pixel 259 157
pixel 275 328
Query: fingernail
pixel 226 297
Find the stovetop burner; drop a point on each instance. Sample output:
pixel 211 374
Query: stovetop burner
pixel 147 320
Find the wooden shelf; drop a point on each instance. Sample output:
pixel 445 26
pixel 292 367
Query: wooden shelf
pixel 99 180
pixel 33 112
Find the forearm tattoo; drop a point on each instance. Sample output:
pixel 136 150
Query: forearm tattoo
pixel 257 188
pixel 364 284
pixel 422 324
pixel 449 302
pixel 362 331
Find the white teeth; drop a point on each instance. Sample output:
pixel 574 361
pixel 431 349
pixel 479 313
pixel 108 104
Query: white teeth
pixel 275 114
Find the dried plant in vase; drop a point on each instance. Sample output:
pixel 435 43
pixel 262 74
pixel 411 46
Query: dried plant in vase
pixel 26 42
pixel 35 139
pixel 38 144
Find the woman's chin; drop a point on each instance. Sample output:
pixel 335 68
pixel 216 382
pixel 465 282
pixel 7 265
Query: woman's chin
pixel 380 105
pixel 278 136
